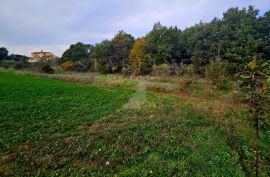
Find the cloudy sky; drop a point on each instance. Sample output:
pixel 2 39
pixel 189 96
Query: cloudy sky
pixel 52 25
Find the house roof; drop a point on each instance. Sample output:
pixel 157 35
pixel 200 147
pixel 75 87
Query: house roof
pixel 40 52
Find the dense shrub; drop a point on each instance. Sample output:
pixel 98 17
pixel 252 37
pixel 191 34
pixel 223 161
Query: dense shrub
pixel 190 70
pixel 216 72
pixel 44 65
pixel 185 84
pixel 145 66
pixel 161 70
pixel 81 66
pixel 58 70
pixel 166 70
pixel 20 64
pixel 47 69
pixel 67 66
pixel 126 71
pixel 7 64
pixel 175 70
pixel 199 69
pixel 103 66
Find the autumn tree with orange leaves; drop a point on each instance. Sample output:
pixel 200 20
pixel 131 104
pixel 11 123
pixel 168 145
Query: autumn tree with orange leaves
pixel 140 61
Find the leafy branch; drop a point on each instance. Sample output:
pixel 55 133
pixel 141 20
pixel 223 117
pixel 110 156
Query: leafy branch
pixel 254 81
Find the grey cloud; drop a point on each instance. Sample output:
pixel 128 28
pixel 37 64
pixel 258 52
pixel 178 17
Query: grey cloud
pixel 28 25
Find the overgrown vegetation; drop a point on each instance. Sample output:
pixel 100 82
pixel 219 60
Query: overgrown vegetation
pixel 71 129
pixel 188 118
pixel 255 83
pixel 217 73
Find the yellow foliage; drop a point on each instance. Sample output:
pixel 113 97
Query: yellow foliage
pixel 137 50
pixel 138 58
pixel 67 66
pixel 252 64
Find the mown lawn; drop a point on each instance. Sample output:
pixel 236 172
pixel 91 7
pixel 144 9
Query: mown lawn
pixel 55 128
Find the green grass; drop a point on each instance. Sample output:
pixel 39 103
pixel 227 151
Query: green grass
pixel 55 128
pixel 32 108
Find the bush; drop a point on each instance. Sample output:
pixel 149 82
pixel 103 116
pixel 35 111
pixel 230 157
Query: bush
pixel 7 64
pixel 126 71
pixel 104 67
pixel 47 69
pixel 77 66
pixel 145 66
pixel 58 70
pixel 224 83
pixel 44 65
pixel 81 66
pixel 161 70
pixel 67 66
pixel 185 84
pixel 190 70
pixel 20 65
pixel 216 72
pixel 175 70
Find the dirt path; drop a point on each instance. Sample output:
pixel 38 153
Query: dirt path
pixel 138 98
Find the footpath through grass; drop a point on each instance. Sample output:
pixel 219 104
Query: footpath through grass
pixel 55 128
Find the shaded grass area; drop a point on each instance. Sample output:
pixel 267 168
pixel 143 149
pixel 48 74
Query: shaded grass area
pixel 167 136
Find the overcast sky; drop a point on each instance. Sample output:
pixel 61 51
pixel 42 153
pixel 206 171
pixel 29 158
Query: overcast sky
pixel 52 25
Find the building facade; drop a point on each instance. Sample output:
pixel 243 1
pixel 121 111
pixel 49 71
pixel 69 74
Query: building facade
pixel 37 56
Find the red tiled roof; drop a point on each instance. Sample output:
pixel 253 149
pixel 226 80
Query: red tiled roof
pixel 40 52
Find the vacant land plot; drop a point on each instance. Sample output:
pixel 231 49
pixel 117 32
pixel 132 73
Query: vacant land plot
pixel 56 128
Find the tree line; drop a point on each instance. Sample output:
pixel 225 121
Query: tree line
pixel 235 39
pixel 239 36
pixel 4 55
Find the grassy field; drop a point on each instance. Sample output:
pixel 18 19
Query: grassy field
pixel 56 128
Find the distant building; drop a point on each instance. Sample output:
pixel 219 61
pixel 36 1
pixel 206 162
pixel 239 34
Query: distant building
pixel 36 56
